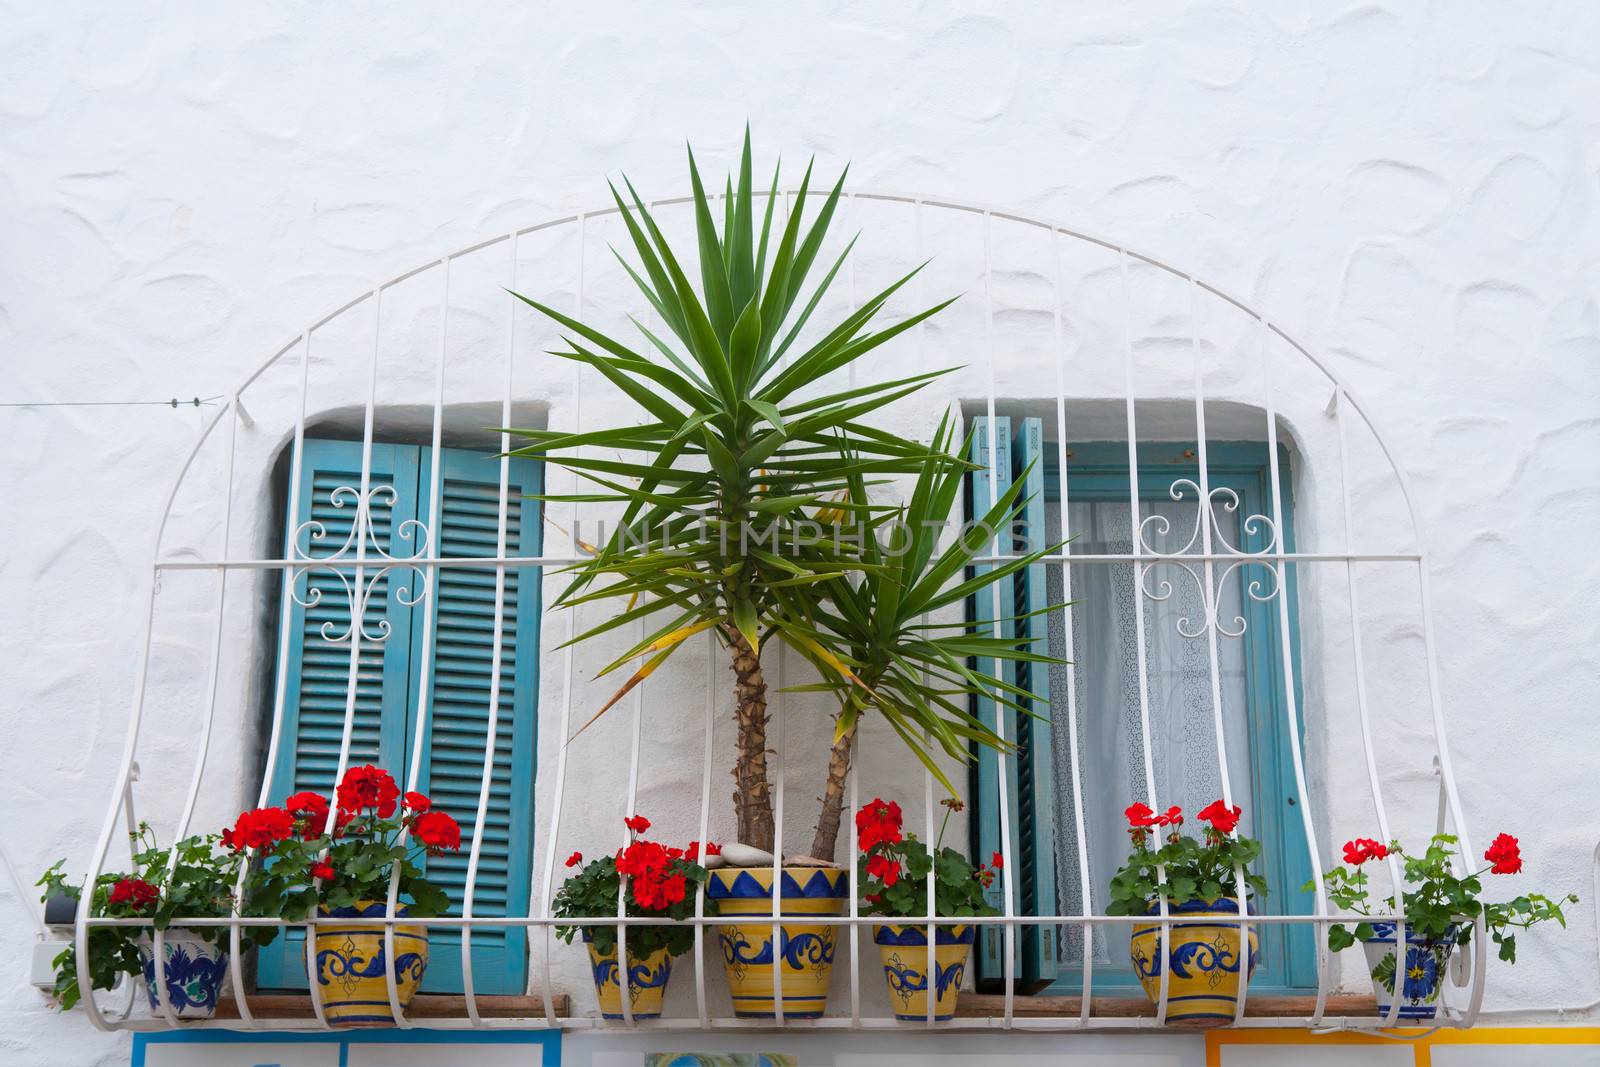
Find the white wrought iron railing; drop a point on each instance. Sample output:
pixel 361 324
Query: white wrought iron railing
pixel 1112 319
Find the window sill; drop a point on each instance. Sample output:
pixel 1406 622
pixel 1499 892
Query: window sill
pixel 980 1005
pixel 424 1006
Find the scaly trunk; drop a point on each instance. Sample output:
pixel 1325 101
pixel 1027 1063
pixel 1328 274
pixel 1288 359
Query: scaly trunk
pixel 827 837
pixel 752 798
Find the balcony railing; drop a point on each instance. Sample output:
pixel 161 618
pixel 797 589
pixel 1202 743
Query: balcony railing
pixel 1120 341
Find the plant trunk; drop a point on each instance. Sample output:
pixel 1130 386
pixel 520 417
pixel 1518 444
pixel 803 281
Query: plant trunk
pixel 752 797
pixel 827 837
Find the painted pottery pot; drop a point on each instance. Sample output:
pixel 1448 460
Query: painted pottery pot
pixel 352 967
pixel 904 950
pixel 647 980
pixel 1426 961
pixel 1203 959
pixel 804 958
pixel 194 972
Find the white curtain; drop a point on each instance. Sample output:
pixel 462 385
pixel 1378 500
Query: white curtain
pixel 1182 723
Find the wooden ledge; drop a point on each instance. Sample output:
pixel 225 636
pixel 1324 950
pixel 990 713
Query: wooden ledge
pixel 423 1006
pixel 981 1005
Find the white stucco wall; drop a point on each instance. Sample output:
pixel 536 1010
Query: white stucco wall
pixel 1410 193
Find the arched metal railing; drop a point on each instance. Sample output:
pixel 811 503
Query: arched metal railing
pixel 996 256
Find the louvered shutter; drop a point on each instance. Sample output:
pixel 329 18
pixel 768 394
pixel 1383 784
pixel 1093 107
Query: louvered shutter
pixel 1035 797
pixel 995 472
pixel 461 677
pixel 317 677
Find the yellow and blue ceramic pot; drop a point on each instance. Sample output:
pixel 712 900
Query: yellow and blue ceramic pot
pixel 905 967
pixel 352 967
pixel 647 980
pixel 1204 959
pixel 805 955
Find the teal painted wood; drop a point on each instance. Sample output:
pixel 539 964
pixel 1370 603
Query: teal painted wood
pixel 318 670
pixel 986 765
pixel 390 680
pixel 458 707
pixel 1100 472
pixel 1036 791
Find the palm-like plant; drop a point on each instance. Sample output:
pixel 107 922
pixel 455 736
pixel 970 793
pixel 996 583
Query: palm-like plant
pixel 723 484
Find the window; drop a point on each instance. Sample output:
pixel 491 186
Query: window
pixel 1106 694
pixel 390 676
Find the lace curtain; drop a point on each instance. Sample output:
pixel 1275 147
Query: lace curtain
pixel 1182 726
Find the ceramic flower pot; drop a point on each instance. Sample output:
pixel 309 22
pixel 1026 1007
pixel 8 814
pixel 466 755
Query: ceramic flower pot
pixel 352 968
pixel 1203 959
pixel 194 973
pixel 904 950
pixel 805 954
pixel 1426 961
pixel 647 980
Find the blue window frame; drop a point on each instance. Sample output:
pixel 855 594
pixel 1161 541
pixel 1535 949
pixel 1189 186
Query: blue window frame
pixel 1047 880
pixel 389 679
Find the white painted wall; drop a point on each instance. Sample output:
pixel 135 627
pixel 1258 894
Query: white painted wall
pixel 1412 194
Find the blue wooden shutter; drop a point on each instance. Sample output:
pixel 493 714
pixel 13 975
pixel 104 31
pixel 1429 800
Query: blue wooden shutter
pixel 317 676
pixel 1036 857
pixel 986 767
pixel 463 646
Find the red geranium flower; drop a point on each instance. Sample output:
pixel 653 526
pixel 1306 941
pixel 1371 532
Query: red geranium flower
pixel 997 861
pixel 692 853
pixel 878 822
pixel 1363 849
pixel 368 787
pixel 323 870
pixel 137 893
pixel 1505 854
pixel 261 828
pixel 883 868
pixel 1173 816
pixel 437 831
pixel 1223 819
pixel 310 810
pixel 574 859
pixel 643 859
pixel 637 823
pixel 1140 816
pixel 417 802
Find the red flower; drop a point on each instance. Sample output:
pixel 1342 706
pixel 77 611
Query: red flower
pixel 368 787
pixel 674 888
pixel 437 831
pixel 323 870
pixel 574 859
pixel 261 828
pixel 643 859
pixel 637 823
pixel 997 861
pixel 417 802
pixel 1223 819
pixel 1363 849
pixel 873 898
pixel 1505 854
pixel 878 822
pixel 884 868
pixel 1173 816
pixel 1140 816
pixel 692 853
pixel 310 810
pixel 137 893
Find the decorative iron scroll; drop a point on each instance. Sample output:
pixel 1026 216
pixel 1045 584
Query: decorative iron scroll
pixel 1260 589
pixel 350 555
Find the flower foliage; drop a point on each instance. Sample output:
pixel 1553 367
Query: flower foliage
pixel 199 884
pixel 894 868
pixel 303 862
pixel 1439 902
pixel 661 882
pixel 1165 863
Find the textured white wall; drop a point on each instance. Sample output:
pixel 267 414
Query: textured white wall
pixel 1410 191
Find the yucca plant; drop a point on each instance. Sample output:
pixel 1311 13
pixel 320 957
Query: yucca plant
pixel 723 486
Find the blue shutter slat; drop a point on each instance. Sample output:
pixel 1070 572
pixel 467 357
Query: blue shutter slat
pixel 1035 756
pixel 317 678
pixel 986 765
pixel 463 649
